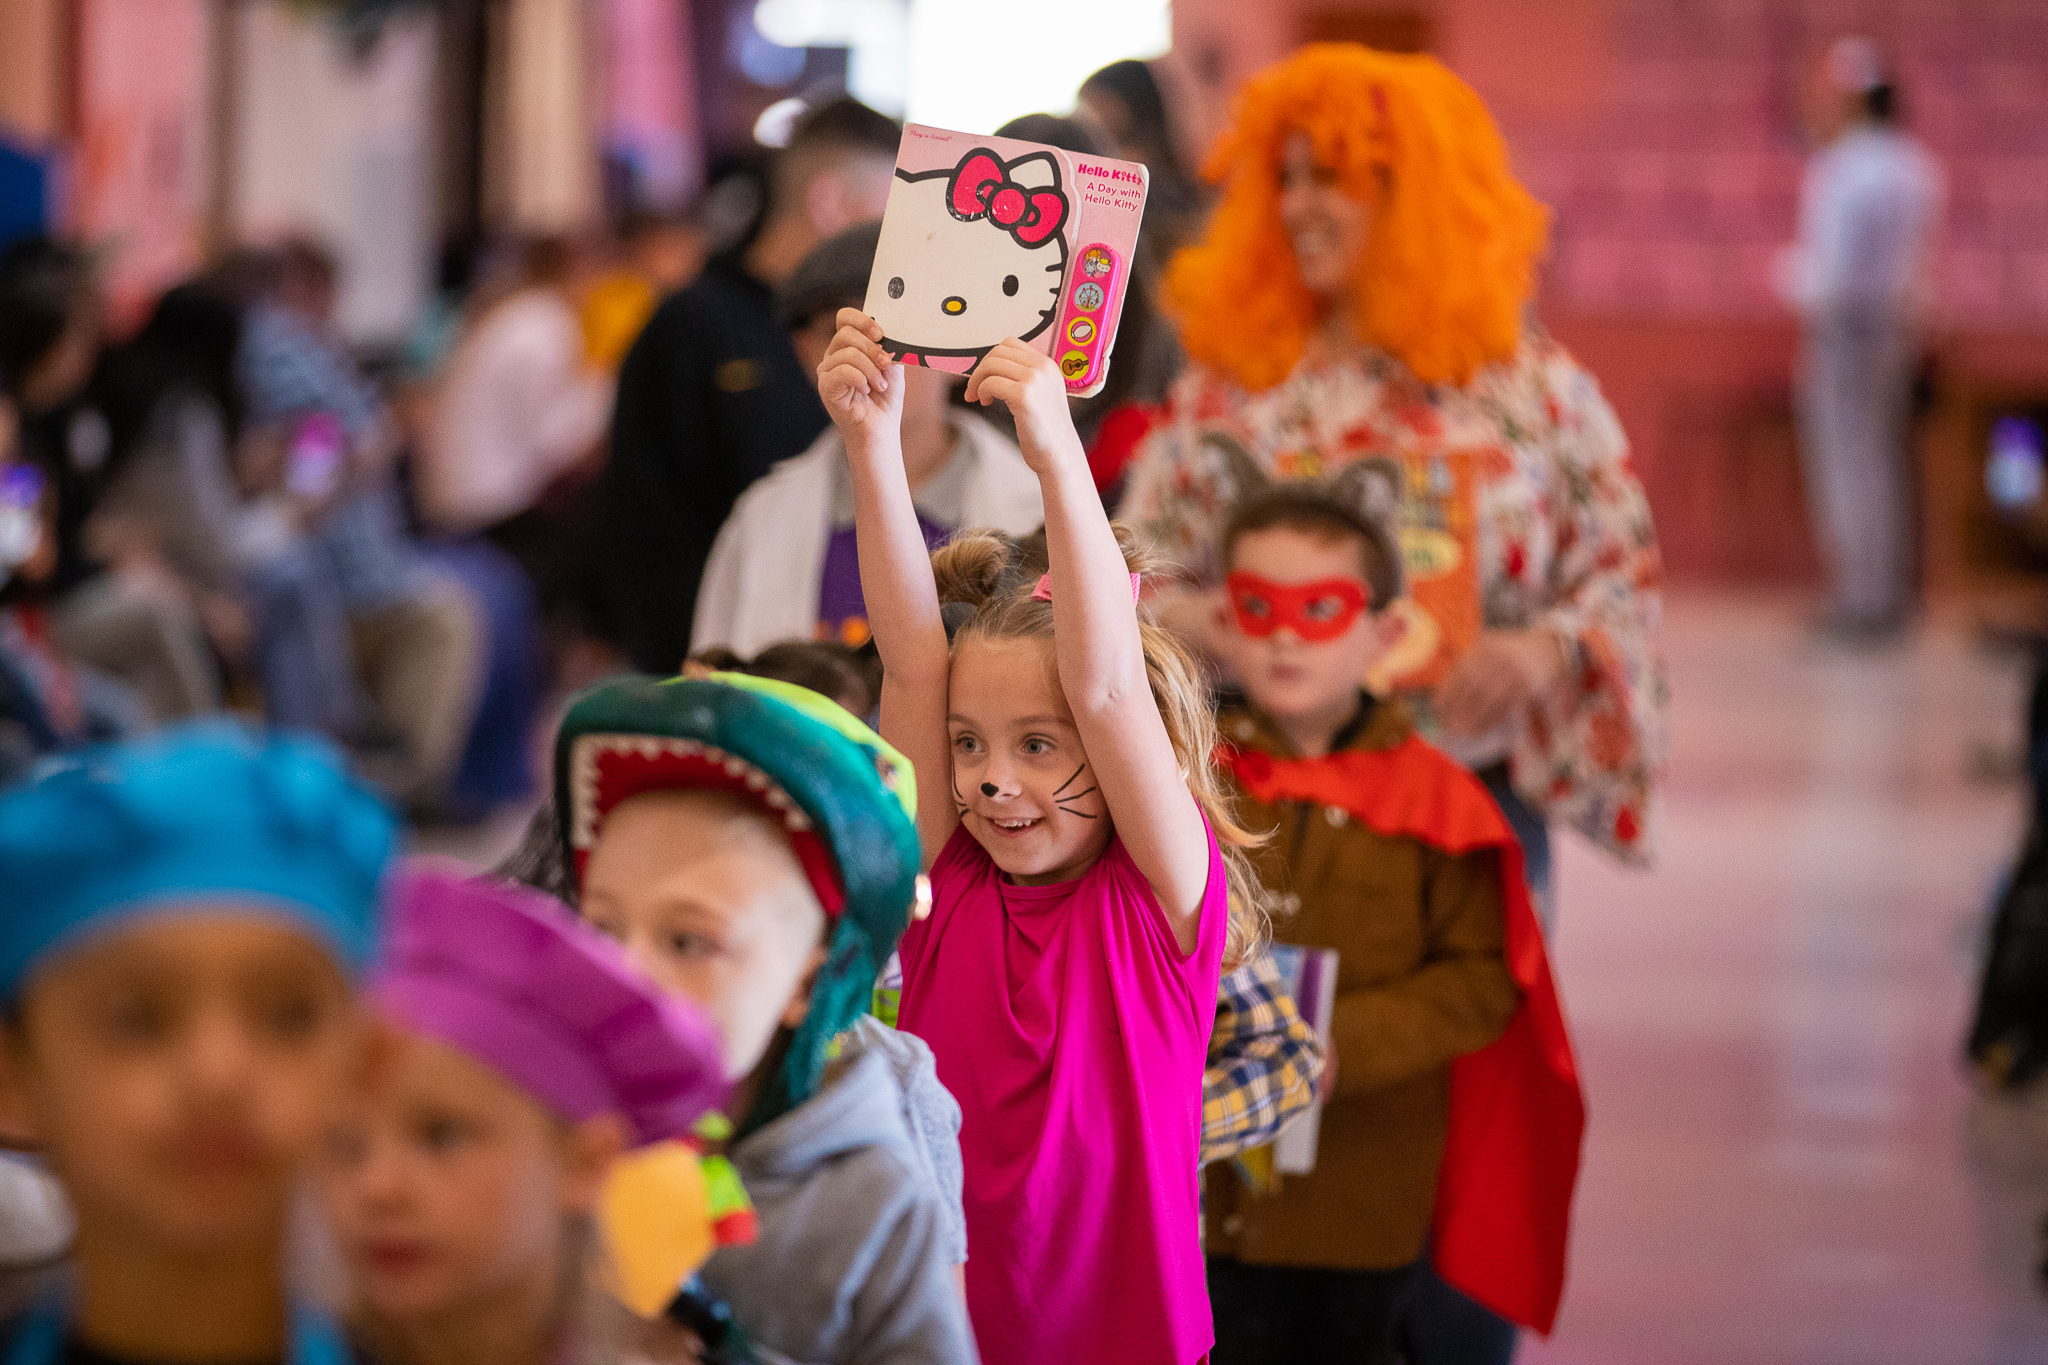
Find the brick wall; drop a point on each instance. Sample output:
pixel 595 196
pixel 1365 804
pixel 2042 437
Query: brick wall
pixel 1664 135
pixel 1674 192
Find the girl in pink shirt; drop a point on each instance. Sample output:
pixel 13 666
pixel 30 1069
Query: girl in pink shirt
pixel 1084 872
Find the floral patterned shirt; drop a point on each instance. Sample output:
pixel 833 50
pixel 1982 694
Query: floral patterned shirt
pixel 1558 535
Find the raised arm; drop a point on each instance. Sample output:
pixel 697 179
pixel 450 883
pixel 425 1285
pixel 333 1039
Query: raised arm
pixel 864 393
pixel 1096 641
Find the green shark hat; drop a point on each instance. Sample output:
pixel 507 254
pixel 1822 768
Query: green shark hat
pixel 846 799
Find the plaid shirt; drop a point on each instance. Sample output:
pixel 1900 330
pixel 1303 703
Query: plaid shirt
pixel 1264 1062
pixel 288 369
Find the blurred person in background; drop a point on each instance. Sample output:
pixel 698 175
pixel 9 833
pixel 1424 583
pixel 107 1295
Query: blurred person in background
pixel 658 254
pixel 458 269
pixel 504 463
pixel 516 407
pixel 1126 106
pixel 712 395
pixel 1148 357
pixel 1122 110
pixel 418 635
pixel 1362 290
pixel 784 566
pixel 49 702
pixel 129 625
pixel 1868 211
pixel 474 274
pixel 173 511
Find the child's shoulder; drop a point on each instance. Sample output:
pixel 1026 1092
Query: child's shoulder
pixel 1386 776
pixel 962 864
pixel 855 1121
pixel 1421 761
pixel 878 1143
pixel 846 1212
pixel 1116 863
pixel 909 1058
pixel 1419 793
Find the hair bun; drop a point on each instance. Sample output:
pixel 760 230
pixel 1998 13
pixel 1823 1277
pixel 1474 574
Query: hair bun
pixel 976 567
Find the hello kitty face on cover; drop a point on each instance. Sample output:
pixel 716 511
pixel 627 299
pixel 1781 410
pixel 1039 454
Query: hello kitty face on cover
pixel 970 254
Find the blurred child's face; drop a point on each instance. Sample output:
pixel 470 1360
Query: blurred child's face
pixel 448 1187
pixel 179 1070
pixel 708 897
pixel 1023 785
pixel 1286 672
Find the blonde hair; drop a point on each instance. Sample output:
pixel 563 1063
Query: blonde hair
pixel 1451 260
pixel 985 580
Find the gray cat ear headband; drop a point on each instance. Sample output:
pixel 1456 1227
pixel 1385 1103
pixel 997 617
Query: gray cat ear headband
pixel 1368 493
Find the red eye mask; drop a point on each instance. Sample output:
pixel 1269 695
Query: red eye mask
pixel 1316 611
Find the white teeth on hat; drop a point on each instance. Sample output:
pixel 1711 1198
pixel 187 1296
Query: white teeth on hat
pixel 585 753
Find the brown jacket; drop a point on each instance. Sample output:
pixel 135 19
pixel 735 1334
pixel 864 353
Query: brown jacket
pixel 1420 981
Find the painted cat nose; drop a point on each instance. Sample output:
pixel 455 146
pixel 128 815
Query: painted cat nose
pixel 953 306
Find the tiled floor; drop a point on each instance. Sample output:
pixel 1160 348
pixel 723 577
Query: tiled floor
pixel 1786 1162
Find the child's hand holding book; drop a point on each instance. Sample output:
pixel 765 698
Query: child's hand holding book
pixel 1029 383
pixel 861 387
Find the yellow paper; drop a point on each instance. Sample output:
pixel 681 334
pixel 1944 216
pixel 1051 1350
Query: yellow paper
pixel 655 1219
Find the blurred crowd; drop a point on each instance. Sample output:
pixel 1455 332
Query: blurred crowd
pixel 409 551
pixel 1381 561
pixel 1394 602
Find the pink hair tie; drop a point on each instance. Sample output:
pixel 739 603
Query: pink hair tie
pixel 1043 592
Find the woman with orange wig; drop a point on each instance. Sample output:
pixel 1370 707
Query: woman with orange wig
pixel 1363 290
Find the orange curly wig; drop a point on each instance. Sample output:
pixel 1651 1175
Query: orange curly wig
pixel 1451 260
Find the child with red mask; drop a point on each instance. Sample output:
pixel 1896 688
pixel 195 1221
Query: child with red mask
pixel 1446 1035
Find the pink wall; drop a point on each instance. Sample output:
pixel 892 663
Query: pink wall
pixel 651 98
pixel 33 93
pixel 1661 132
pixel 141 171
pixel 1674 191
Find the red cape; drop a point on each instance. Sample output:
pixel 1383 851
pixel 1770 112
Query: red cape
pixel 1511 1157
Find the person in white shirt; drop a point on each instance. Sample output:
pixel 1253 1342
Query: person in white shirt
pixel 1867 214
pixel 517 407
pixel 784 565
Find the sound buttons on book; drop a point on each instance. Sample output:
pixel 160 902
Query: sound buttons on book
pixel 1091 286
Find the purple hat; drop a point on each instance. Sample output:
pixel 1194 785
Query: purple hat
pixel 515 980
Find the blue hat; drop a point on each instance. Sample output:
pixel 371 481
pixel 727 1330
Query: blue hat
pixel 211 809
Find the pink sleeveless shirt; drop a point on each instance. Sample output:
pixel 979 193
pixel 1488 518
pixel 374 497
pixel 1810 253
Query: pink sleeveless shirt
pixel 1073 1032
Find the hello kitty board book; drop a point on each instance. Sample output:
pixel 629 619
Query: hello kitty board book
pixel 990 237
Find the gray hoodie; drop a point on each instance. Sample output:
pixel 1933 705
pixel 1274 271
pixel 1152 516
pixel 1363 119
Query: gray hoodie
pixel 853 1263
